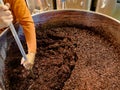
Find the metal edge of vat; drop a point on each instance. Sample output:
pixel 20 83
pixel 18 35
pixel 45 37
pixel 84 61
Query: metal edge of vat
pixel 110 24
pixel 71 10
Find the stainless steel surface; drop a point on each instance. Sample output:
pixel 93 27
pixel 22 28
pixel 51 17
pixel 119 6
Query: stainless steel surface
pixel 38 6
pixel 116 13
pixel 106 6
pixel 74 4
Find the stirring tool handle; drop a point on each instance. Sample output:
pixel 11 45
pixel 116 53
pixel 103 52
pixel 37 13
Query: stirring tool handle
pixel 18 41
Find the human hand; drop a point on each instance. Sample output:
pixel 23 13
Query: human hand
pixel 5 16
pixel 28 64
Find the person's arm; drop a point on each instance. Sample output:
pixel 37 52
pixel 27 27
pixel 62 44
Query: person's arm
pixel 22 15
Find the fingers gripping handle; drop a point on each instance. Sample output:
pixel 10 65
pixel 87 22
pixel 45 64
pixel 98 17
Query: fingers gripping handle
pixel 14 33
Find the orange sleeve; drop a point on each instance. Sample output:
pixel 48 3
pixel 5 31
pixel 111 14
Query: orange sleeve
pixel 23 16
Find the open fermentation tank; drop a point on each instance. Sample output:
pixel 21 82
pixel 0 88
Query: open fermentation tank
pixel 107 27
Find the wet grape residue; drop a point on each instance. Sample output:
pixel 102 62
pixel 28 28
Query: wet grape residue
pixel 68 58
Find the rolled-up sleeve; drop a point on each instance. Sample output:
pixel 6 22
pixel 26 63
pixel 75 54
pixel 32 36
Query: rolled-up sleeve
pixel 23 16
